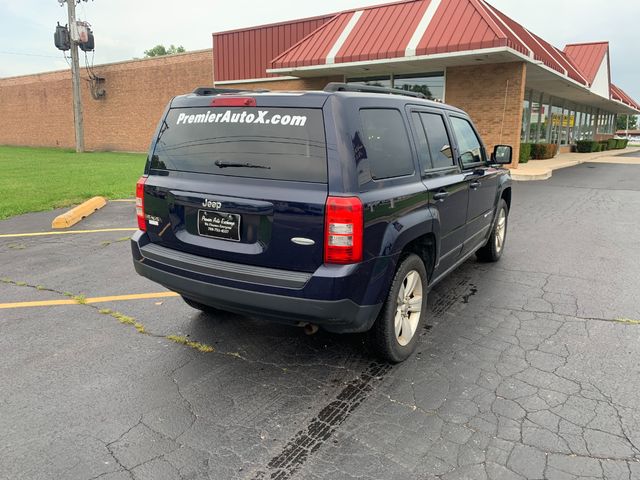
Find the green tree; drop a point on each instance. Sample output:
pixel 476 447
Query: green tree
pixel 160 50
pixel 622 122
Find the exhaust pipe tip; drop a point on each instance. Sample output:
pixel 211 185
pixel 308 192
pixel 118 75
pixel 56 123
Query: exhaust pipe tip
pixel 311 329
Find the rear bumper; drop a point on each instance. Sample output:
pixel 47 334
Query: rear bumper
pixel 240 290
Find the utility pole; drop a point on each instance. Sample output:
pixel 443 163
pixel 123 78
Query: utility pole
pixel 75 77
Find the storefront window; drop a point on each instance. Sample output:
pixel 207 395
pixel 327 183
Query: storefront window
pixel 545 117
pixel 537 113
pixel 383 81
pixel 429 84
pixel 556 124
pixel 586 121
pixel 612 122
pixel 599 121
pixel 577 126
pixel 568 122
pixel 526 117
pixel 571 122
pixel 590 123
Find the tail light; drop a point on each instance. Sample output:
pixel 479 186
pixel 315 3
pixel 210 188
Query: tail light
pixel 343 230
pixel 233 102
pixel 142 224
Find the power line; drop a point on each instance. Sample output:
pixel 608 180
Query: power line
pixel 24 54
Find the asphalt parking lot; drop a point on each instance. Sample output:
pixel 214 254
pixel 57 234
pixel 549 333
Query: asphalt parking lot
pixel 529 368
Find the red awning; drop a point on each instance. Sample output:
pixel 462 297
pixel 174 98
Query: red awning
pixel 620 95
pixel 587 57
pixel 418 28
pixel 403 37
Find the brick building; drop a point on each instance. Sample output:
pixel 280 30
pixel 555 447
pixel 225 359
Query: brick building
pixel 36 110
pixel 515 85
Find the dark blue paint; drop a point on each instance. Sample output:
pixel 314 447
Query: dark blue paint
pixel 397 211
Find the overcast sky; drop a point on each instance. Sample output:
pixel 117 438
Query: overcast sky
pixel 125 28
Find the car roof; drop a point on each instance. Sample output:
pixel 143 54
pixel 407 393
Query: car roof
pixel 303 98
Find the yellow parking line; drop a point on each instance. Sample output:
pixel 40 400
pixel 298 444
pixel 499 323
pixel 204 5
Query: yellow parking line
pixel 43 303
pixel 135 296
pixel 113 298
pixel 70 232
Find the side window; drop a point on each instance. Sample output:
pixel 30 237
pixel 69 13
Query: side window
pixel 422 144
pixel 439 143
pixel 386 143
pixel 468 143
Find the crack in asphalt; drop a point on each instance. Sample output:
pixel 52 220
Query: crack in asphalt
pixel 501 390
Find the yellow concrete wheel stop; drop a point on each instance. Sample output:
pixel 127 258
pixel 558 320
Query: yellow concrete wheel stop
pixel 76 214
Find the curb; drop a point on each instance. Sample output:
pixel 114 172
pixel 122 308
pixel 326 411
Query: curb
pixel 529 177
pixel 76 214
pixel 548 172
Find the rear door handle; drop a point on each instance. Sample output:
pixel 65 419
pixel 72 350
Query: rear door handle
pixel 475 184
pixel 440 196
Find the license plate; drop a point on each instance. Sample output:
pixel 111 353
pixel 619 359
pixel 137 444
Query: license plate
pixel 219 225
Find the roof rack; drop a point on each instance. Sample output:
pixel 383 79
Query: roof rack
pixel 222 91
pixel 354 87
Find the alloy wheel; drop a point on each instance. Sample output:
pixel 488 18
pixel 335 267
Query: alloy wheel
pixel 408 307
pixel 501 230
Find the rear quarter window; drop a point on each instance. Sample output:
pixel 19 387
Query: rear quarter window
pixel 269 143
pixel 386 143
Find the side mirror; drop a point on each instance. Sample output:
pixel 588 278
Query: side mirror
pixel 502 154
pixel 446 151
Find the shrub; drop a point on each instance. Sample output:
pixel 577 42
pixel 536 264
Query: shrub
pixel 542 151
pixel 525 152
pixel 612 143
pixel 536 151
pixel 551 150
pixel 621 143
pixel 586 146
pixel 604 145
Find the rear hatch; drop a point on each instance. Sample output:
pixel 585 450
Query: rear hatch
pixel 244 184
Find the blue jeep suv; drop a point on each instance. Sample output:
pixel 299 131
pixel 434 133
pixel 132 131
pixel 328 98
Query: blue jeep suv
pixel 337 209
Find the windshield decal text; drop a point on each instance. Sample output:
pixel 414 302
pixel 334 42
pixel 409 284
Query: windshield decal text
pixel 260 117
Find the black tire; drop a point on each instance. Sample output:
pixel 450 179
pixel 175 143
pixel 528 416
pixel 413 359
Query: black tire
pixel 203 308
pixel 491 252
pixel 382 336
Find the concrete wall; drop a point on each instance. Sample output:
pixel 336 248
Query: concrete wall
pixel 36 110
pixel 493 96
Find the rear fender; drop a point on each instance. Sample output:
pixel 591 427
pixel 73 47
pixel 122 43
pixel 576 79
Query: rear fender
pixel 504 184
pixel 397 236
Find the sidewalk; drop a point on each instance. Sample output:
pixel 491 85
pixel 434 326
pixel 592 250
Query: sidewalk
pixel 542 169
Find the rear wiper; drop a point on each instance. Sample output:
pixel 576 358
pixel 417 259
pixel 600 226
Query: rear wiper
pixel 164 128
pixel 222 164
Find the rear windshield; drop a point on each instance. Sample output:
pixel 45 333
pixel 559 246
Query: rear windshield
pixel 272 143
